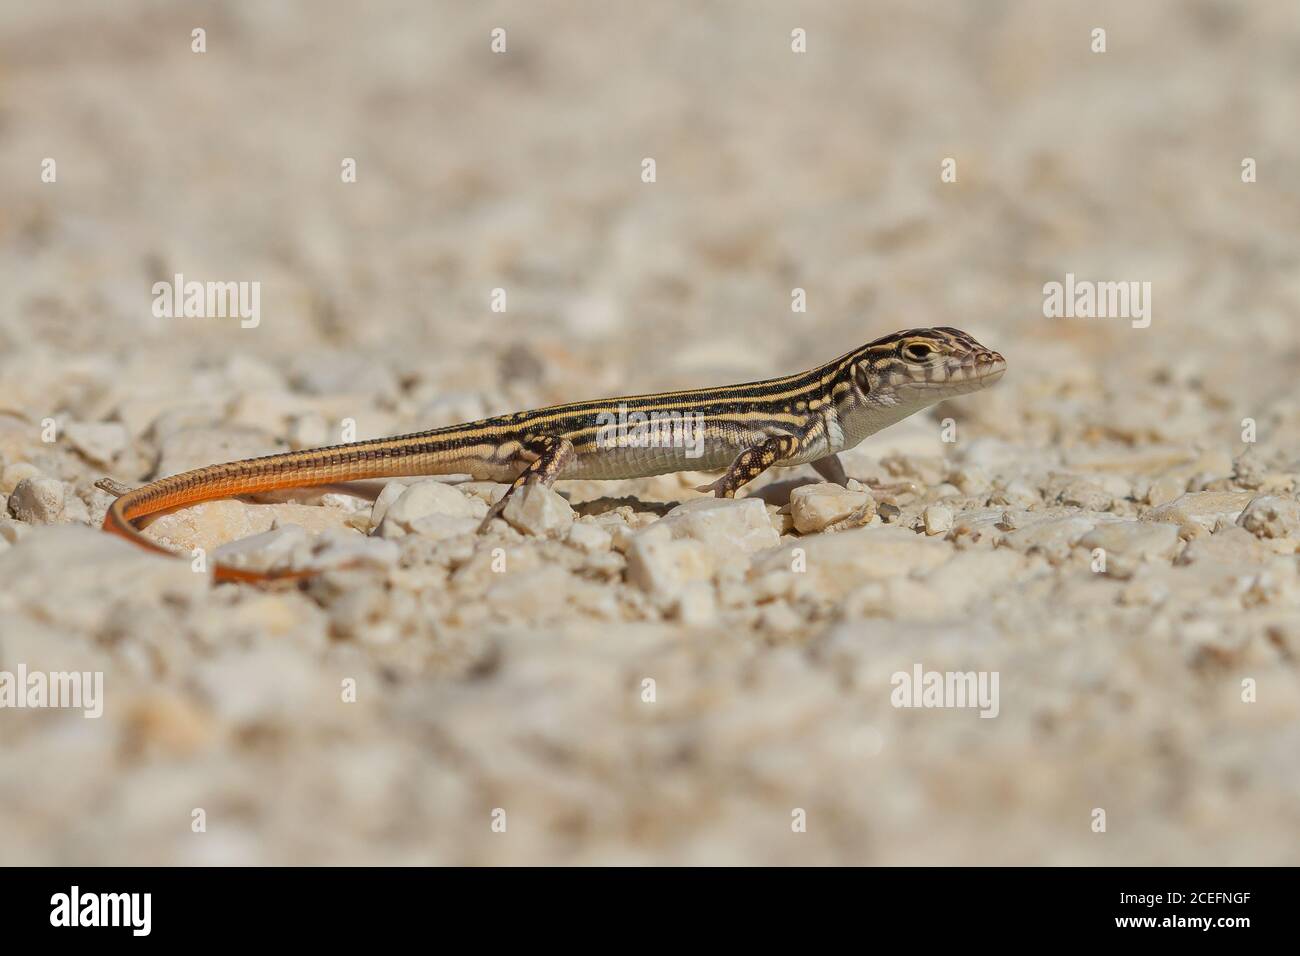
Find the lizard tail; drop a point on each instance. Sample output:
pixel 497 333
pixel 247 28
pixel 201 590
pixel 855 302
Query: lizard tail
pixel 298 469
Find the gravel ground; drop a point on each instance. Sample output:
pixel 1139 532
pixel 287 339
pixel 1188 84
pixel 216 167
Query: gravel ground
pixel 629 672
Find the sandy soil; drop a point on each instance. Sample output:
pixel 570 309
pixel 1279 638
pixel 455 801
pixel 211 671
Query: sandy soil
pixel 435 707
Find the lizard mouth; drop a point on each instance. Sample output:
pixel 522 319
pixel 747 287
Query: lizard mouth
pixel 981 368
pixel 960 375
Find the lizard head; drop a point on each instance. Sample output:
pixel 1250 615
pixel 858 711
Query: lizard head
pixel 925 366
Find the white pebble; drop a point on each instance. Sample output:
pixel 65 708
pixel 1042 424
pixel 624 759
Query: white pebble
pixel 730 527
pixel 814 507
pixel 438 527
pixel 15 473
pixel 661 565
pixel 426 498
pixel 589 537
pixel 697 605
pixel 1271 516
pixel 938 519
pixel 537 510
pixel 286 546
pixel 37 500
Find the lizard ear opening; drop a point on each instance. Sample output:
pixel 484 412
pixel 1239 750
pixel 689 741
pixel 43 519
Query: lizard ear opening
pixel 862 377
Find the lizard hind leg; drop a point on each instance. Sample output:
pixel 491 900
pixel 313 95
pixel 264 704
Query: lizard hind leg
pixel 552 456
pixel 751 463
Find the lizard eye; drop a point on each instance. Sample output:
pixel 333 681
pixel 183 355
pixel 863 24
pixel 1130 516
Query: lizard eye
pixel 918 351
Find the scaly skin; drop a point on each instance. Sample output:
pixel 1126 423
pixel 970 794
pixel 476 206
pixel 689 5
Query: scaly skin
pixel 798 419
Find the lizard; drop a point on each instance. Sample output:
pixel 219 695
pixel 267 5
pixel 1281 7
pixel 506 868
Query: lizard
pixel 805 418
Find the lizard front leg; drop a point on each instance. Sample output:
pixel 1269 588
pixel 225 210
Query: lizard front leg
pixel 752 462
pixel 832 469
pixel 552 455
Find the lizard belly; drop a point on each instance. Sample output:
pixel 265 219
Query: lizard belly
pixel 615 463
pixel 714 452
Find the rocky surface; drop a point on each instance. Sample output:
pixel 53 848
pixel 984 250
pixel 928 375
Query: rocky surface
pixel 629 671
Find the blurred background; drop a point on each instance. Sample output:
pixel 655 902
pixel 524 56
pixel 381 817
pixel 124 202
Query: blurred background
pixel 522 171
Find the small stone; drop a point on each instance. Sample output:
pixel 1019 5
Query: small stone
pixel 728 526
pixel 213 523
pixel 589 537
pixel 970 480
pixel 779 617
pixel 1016 494
pixel 814 507
pixel 532 595
pixel 937 519
pixel 351 504
pixel 697 606
pixel 1085 494
pixel 784 523
pixel 540 511
pixel 1229 547
pixel 1270 516
pixel 1117 486
pixel 336 548
pixel 1276 482
pixel 15 473
pixel 427 498
pixel 1052 537
pixel 74 509
pixel 366 615
pixel 621 535
pixel 489 492
pixel 662 565
pixel 37 500
pixel 1199 511
pixel 93 572
pixel 902 598
pixel 832 565
pixel 99 442
pixel 1144 591
pixel 969 579
pixel 286 546
pixel 438 527
pixel 1127 544
pixel 11 531
pixel 266 684
pixel 1147 541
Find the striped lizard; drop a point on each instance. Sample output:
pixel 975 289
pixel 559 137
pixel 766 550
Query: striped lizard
pixel 806 418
